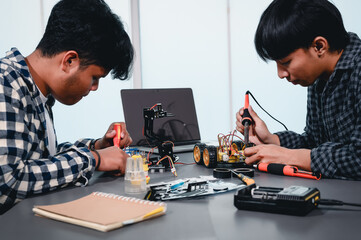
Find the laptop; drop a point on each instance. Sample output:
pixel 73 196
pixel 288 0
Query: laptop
pixel 181 127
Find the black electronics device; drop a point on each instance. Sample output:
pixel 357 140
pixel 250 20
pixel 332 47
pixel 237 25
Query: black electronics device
pixel 182 128
pixel 293 200
pixel 165 149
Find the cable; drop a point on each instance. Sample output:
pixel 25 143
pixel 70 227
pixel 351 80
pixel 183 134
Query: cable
pixel 173 170
pixel 150 153
pixel 248 92
pixel 182 163
pixel 337 202
pixel 153 106
pixel 168 142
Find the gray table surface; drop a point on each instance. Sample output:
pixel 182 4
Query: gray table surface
pixel 211 217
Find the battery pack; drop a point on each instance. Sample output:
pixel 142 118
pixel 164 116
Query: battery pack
pixel 293 200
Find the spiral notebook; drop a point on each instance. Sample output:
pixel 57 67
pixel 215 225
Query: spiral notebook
pixel 102 211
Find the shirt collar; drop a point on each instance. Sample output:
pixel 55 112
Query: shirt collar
pixel 351 53
pixel 17 60
pixel 348 59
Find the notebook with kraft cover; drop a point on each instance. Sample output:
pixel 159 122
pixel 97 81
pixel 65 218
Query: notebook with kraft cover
pixel 181 128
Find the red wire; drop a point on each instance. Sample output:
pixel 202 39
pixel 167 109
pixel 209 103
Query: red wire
pixel 153 106
pixel 184 163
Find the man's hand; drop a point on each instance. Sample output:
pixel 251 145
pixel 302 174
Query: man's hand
pixel 275 154
pixel 107 139
pixel 112 159
pixel 258 131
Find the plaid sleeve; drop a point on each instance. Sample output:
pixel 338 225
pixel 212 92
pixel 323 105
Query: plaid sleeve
pixel 25 165
pixel 335 160
pixel 84 142
pixel 333 131
pixel 341 158
pixel 331 159
pixel 290 139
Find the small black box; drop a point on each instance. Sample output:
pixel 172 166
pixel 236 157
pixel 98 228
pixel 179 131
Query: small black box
pixel 293 200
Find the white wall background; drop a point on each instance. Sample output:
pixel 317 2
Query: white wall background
pixel 22 28
pixel 184 43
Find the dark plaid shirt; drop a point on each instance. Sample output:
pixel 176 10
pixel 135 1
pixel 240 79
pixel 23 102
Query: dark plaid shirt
pixel 26 167
pixel 333 124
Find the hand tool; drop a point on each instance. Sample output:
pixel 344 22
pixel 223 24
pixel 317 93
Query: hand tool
pixel 247 120
pixel 245 171
pixel 227 173
pixel 282 169
pixel 247 180
pixel 117 138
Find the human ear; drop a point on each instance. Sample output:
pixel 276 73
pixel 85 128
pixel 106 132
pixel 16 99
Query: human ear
pixel 70 61
pixel 320 45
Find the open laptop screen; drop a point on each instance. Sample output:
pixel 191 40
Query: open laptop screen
pixel 181 129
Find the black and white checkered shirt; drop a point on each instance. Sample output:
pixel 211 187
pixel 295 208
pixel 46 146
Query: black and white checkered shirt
pixel 26 167
pixel 333 124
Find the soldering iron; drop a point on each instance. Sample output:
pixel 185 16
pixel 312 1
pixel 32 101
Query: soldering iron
pixel 247 119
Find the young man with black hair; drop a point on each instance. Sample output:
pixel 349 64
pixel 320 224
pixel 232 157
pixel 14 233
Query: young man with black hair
pixel 82 43
pixel 311 47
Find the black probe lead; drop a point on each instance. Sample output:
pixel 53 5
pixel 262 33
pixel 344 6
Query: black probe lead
pixel 333 202
pixel 248 92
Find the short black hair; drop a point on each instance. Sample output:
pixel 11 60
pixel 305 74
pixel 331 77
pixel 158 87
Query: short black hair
pixel 287 25
pixel 91 29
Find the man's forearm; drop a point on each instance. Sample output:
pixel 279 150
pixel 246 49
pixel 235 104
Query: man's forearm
pixel 273 139
pixel 301 158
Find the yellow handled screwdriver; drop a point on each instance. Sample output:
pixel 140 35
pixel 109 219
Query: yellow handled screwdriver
pixel 247 180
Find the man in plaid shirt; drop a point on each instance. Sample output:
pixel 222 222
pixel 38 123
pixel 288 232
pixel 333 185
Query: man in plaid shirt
pixel 311 47
pixel 82 43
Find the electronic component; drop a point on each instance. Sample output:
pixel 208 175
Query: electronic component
pixel 165 148
pixel 228 153
pixel 189 187
pixel 157 168
pixel 293 200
